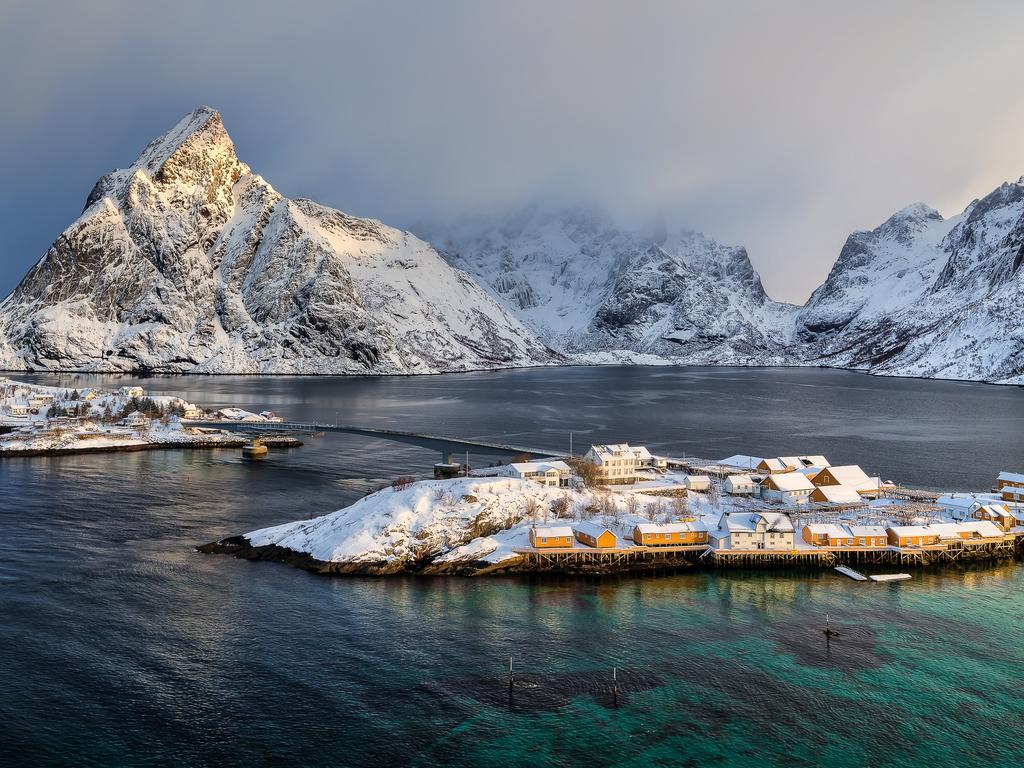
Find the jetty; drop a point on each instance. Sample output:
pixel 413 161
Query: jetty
pixel 445 445
pixel 855 575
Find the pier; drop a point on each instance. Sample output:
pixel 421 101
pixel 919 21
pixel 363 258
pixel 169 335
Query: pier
pixel 441 443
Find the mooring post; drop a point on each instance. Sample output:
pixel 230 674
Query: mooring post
pixel 511 677
pixel 615 686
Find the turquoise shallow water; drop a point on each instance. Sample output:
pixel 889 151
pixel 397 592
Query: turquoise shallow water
pixel 119 645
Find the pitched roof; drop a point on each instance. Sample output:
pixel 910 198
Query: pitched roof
pixel 867 530
pixel 777 521
pixel 671 527
pixel 1012 477
pixel 774 464
pixel 853 476
pixel 592 529
pixel 911 530
pixel 839 494
pixel 790 481
pixel 552 531
pixel 742 461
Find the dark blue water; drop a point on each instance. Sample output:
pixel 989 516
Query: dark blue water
pixel 121 646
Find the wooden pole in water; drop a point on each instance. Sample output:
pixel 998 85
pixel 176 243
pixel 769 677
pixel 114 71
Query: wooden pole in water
pixel 511 677
pixel 615 686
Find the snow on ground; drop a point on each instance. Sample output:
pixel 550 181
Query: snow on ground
pixel 472 519
pixel 100 425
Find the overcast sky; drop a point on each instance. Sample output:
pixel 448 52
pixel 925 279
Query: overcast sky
pixel 778 126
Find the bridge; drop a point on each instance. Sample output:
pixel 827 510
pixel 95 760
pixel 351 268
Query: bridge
pixel 445 445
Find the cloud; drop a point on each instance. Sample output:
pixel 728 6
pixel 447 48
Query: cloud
pixel 781 126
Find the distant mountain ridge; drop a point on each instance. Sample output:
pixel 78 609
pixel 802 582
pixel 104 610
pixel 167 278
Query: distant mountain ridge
pixel 584 285
pixel 186 261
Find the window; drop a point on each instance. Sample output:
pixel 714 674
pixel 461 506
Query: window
pixel 543 540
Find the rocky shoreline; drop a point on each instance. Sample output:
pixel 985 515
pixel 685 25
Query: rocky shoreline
pixel 240 547
pixel 272 442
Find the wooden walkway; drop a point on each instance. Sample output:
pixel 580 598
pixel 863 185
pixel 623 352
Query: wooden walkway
pixel 438 442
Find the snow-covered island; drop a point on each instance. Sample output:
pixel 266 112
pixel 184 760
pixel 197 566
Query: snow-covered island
pixel 651 513
pixel 39 420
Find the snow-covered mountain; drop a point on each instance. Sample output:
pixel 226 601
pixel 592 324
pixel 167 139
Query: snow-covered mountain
pixel 187 261
pixel 926 296
pixel 586 286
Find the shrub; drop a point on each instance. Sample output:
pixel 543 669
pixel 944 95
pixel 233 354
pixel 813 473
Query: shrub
pixel 401 483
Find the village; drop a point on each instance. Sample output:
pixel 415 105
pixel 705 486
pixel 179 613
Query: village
pixel 752 511
pixel 37 420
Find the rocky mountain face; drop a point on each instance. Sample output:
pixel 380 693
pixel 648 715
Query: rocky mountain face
pixel 926 296
pixel 587 287
pixel 188 262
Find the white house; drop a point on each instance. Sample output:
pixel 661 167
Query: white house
pixel 191 412
pixel 133 391
pixel 697 482
pixel 740 485
pixel 17 411
pixel 788 487
pixel 963 505
pixel 136 419
pixel 616 463
pixel 554 474
pixel 759 530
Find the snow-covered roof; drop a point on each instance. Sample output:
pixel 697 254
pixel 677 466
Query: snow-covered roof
pixel 552 531
pixel 592 530
pixel 698 480
pixel 983 528
pixel 997 510
pixel 540 466
pixel 790 481
pixel 777 521
pixel 1010 477
pixel 671 527
pixel 839 494
pixel 832 530
pixel 867 530
pixel 740 479
pixel 853 476
pixel 742 461
pixel 912 530
pixel 774 465
pixel 739 521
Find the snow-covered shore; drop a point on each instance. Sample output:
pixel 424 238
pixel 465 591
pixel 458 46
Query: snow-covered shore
pixel 38 420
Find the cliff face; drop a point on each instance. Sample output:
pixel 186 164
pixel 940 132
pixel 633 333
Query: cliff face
pixel 926 296
pixel 187 261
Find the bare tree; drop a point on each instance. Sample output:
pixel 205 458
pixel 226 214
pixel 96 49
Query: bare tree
pixel 586 470
pixel 532 508
pixel 632 505
pixel 680 506
pixel 560 506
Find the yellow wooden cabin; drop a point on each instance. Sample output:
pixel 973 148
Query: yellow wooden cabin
pixel 911 536
pixel 594 535
pixel 1010 486
pixel 670 534
pixel 997 514
pixel 551 537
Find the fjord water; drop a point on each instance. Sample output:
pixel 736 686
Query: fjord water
pixel 119 645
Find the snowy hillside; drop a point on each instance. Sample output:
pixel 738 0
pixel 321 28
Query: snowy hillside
pixel 442 524
pixel 586 286
pixel 187 261
pixel 924 296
